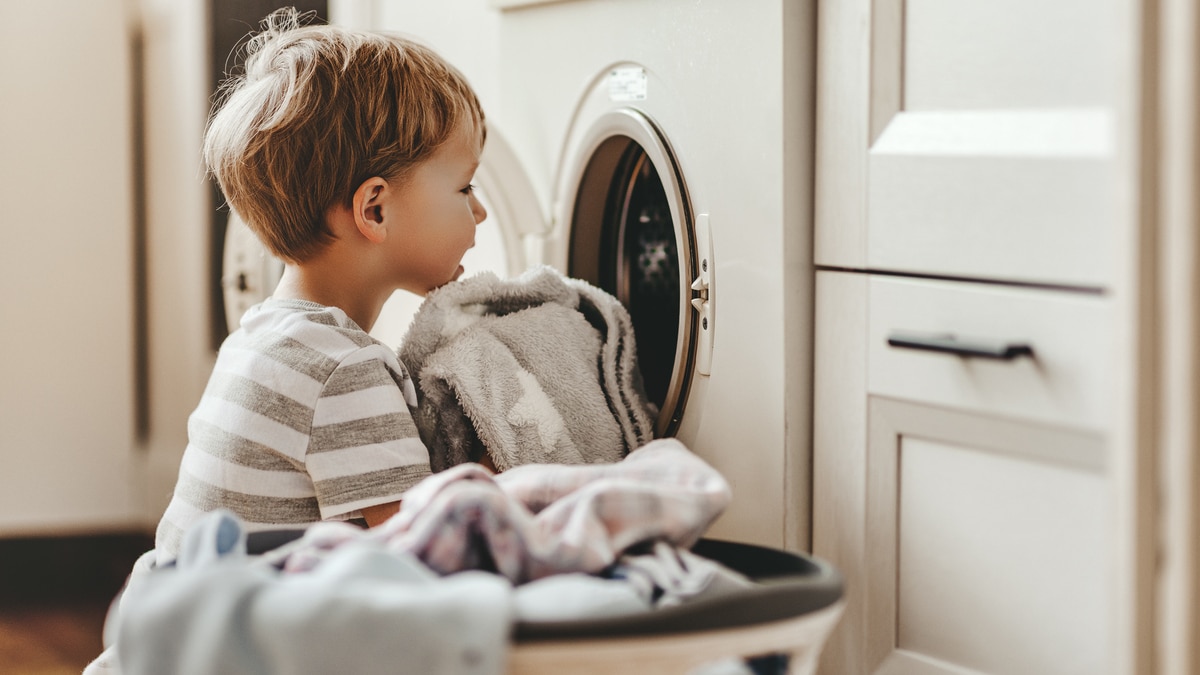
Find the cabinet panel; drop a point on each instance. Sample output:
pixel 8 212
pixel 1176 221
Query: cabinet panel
pixel 1016 53
pixel 1069 333
pixel 991 547
pixel 986 543
pixel 1007 195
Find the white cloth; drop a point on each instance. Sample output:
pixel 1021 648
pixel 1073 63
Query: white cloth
pixel 107 662
pixel 534 370
pixel 362 611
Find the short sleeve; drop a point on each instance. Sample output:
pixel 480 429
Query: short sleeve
pixel 364 448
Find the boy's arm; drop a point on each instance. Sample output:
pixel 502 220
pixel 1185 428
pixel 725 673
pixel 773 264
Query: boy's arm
pixel 363 415
pixel 375 515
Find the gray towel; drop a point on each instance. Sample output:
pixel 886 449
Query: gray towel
pixel 537 369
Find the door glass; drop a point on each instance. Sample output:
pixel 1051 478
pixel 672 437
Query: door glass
pixel 624 240
pixel 646 273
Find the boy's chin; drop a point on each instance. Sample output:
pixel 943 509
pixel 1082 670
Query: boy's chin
pixel 455 277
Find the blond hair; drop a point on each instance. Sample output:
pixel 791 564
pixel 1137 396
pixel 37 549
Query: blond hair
pixel 320 109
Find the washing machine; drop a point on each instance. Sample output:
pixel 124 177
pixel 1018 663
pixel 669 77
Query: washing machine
pixel 663 151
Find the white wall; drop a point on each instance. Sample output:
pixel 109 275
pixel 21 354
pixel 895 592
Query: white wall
pixel 73 457
pixel 66 272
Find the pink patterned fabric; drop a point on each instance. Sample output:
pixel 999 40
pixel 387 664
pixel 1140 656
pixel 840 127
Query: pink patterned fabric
pixel 539 519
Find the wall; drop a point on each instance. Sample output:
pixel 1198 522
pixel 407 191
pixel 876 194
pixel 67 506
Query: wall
pixel 67 394
pixel 105 346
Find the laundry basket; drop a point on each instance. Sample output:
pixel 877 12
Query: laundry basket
pixel 787 613
pixel 790 610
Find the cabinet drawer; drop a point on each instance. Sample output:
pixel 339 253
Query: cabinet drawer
pixel 1065 381
pixel 944 197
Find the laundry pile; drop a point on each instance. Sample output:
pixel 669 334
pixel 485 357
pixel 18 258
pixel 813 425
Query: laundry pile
pixel 541 368
pixel 539 519
pixel 438 587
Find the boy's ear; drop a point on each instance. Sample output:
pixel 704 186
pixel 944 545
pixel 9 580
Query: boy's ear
pixel 369 209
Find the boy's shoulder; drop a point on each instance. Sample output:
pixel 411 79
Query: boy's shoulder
pixel 287 355
pixel 301 326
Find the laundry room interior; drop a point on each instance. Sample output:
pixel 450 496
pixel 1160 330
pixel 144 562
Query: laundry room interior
pixel 918 280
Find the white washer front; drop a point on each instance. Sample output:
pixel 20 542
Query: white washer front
pixel 600 105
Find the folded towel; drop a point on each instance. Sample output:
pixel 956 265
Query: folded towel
pixel 537 369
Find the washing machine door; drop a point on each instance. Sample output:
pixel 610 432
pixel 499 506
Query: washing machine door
pixel 632 233
pixel 516 222
pixel 248 272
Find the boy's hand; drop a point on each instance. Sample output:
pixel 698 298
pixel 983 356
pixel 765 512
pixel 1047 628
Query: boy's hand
pixel 374 515
pixel 486 462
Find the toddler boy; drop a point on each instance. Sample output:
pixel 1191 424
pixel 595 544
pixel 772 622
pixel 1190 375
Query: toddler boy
pixel 350 155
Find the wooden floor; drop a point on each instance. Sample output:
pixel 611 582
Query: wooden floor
pixel 54 595
pixel 49 640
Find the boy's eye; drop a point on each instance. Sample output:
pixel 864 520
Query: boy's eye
pixel 468 190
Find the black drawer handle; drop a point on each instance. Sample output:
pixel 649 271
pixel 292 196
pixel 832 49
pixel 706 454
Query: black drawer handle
pixel 947 343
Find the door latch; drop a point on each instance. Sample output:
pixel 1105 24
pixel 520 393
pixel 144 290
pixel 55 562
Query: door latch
pixel 703 302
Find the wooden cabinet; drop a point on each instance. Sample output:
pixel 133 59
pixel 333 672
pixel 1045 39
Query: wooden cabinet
pixel 977 489
pixel 974 182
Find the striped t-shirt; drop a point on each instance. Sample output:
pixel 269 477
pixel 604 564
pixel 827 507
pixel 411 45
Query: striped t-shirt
pixel 306 418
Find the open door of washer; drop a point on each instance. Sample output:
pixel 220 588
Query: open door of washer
pixel 633 235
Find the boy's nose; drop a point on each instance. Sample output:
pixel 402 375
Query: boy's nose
pixel 478 210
